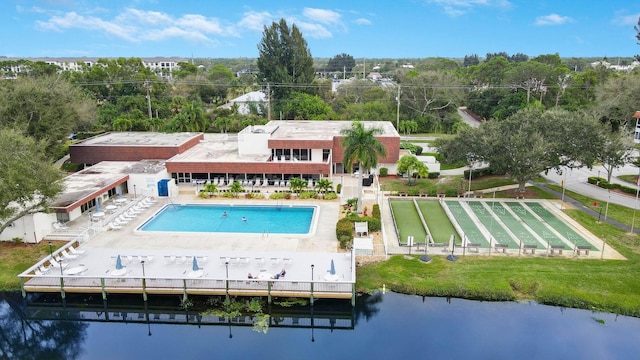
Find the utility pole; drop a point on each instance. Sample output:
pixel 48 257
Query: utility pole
pixel 268 102
pixel 398 110
pixel 148 86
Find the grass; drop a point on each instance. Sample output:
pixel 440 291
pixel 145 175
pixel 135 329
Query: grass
pixel 604 285
pixel 616 212
pixel 631 179
pixel 16 258
pixel 454 182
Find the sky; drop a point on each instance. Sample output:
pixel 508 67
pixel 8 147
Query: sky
pixel 363 29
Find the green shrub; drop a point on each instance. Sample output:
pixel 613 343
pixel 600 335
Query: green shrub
pixel 227 195
pixel 277 196
pixel 339 188
pixel 384 171
pixel 375 211
pixel 413 192
pixel 432 192
pixel 257 196
pixel 345 242
pixel 344 227
pixel 308 195
pixel 451 192
pixel 433 175
pixel 330 196
pixel 352 202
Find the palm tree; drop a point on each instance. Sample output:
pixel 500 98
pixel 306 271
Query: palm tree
pixel 361 145
pixel 323 185
pixel 297 185
pixel 235 189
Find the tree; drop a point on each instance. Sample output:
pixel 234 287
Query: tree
pixel 361 145
pixel 470 60
pixel 407 126
pixel 617 100
pixel 529 76
pixel 284 59
pixel 323 185
pixel 297 185
pixel 637 29
pixel 341 62
pixel 616 151
pixel 528 143
pixel 29 181
pixel 430 92
pixel 235 189
pixel 411 165
pixel 46 108
pixel 303 106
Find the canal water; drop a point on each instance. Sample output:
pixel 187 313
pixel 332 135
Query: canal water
pixel 381 326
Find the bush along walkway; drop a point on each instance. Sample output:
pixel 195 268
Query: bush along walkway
pixel 578 205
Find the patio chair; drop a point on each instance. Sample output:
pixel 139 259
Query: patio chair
pixel 76 251
pixel 68 256
pixel 114 226
pixel 56 264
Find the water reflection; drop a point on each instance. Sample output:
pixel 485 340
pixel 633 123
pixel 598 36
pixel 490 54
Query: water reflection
pixel 380 326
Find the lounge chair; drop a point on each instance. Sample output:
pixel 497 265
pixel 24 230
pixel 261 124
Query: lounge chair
pixel 75 251
pixel 56 264
pixel 115 226
pixel 68 256
pixel 43 269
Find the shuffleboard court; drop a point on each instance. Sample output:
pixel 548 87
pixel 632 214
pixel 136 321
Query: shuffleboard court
pixel 497 231
pixel 408 222
pixel 560 226
pixel 439 224
pixel 549 237
pixel 522 232
pixel 467 224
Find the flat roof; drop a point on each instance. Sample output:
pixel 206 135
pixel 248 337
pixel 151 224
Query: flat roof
pixel 216 148
pixel 91 180
pixel 139 139
pixel 322 130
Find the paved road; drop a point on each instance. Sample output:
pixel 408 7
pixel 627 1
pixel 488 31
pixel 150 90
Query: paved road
pixel 576 181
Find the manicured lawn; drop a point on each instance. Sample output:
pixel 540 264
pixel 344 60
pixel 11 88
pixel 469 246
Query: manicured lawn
pixel 607 285
pixel 16 258
pixel 616 212
pixel 408 221
pixel 439 225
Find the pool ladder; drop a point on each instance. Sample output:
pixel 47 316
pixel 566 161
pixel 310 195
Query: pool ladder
pixel 265 234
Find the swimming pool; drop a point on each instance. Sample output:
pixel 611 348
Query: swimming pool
pixel 231 219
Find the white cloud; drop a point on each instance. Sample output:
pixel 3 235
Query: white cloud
pixel 552 19
pixel 316 31
pixel 255 21
pixel 362 21
pixel 322 16
pixel 174 32
pixel 460 7
pixel 135 25
pixel 626 20
pixel 72 20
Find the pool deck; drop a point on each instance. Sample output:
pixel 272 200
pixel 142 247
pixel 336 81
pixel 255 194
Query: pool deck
pixel 225 259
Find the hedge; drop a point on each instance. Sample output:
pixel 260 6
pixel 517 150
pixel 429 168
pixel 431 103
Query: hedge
pixel 603 183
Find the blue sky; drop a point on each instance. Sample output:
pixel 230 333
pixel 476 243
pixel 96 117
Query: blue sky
pixel 363 29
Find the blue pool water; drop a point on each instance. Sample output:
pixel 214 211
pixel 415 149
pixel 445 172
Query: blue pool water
pixel 212 218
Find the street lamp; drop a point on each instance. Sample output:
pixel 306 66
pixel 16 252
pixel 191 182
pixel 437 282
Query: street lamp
pixel 50 250
pixel 61 280
pixel 226 264
pixel 144 283
pixel 312 266
pixel 135 194
pixel 470 172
